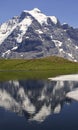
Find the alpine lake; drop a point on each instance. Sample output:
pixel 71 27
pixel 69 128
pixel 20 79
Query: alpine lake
pixel 39 104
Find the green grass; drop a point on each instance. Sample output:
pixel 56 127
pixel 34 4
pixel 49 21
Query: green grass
pixel 36 68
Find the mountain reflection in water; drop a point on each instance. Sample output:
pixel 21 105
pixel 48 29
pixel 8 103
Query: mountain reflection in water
pixel 35 99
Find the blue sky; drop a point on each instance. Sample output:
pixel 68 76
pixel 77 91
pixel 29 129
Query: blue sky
pixel 65 10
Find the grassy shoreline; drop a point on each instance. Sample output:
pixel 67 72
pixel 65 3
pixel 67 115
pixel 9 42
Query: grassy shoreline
pixel 11 69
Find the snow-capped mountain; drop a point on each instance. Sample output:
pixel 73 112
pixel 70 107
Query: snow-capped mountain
pixel 35 35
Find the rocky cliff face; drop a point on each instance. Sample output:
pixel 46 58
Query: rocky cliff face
pixel 35 35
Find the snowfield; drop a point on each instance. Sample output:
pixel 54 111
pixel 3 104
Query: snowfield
pixel 73 77
pixel 73 95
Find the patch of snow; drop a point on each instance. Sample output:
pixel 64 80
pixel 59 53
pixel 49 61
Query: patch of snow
pixel 64 23
pixel 27 37
pixel 24 24
pixel 73 77
pixel 14 48
pixel 75 61
pixel 46 29
pixel 76 47
pixel 54 19
pixel 51 37
pixel 7 52
pixel 61 50
pixel 19 38
pixel 69 39
pixel 39 31
pixel 73 95
pixel 69 55
pixel 3 54
pixel 21 55
pixel 57 43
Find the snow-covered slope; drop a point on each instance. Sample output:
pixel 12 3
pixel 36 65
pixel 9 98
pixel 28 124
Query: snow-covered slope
pixel 40 17
pixel 7 28
pixel 23 26
pixel 36 13
pixel 35 35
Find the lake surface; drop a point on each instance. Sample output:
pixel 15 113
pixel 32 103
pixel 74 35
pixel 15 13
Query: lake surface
pixel 38 105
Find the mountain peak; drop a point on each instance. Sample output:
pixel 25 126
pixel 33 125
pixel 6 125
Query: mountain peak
pixel 54 19
pixel 38 15
pixel 41 17
pixel 34 34
pixel 36 10
pixel 33 10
